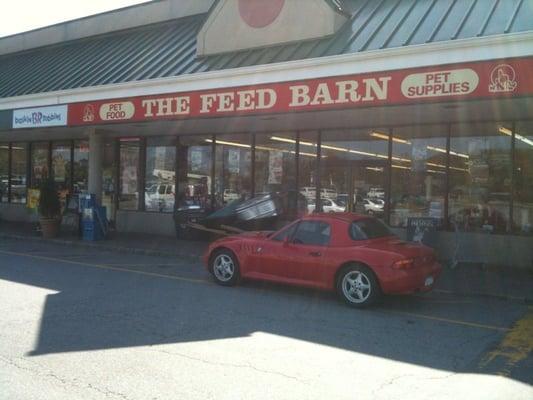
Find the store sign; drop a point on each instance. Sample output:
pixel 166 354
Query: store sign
pixel 40 117
pixel 481 80
pixel 440 83
pixel 117 111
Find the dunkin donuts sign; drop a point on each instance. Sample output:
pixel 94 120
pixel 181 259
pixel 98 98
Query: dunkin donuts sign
pixel 482 80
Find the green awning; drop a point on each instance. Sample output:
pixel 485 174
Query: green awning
pixel 169 49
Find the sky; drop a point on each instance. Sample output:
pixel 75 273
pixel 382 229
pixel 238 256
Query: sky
pixel 24 15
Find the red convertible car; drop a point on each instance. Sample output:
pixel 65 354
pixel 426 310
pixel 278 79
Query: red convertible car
pixel 355 255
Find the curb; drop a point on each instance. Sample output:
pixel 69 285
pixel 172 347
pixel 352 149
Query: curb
pixel 506 297
pixel 118 249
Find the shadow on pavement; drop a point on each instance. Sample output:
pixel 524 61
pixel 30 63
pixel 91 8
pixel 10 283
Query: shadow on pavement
pixel 100 309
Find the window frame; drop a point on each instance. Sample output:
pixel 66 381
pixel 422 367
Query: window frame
pixel 354 223
pixel 315 221
pixel 285 229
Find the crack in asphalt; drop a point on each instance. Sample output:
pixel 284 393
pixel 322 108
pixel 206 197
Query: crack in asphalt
pixel 398 377
pixel 50 374
pixel 390 382
pixel 223 364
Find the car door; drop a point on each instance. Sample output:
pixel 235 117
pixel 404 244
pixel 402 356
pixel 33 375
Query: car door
pixel 269 258
pixel 306 254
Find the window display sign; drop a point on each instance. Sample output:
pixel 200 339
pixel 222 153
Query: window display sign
pixel 33 199
pixel 477 80
pixel 419 156
pixel 419 229
pixel 196 160
pixel 234 159
pixel 275 167
pixel 129 179
pixel 40 117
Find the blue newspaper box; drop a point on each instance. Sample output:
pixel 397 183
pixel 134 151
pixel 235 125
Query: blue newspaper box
pixel 86 200
pixel 94 223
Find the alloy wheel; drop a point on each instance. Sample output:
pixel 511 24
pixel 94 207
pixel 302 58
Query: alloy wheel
pixel 223 268
pixel 356 287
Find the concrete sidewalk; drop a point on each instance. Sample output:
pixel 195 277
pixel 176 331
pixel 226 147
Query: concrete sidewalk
pixel 464 280
pixel 490 281
pixel 136 243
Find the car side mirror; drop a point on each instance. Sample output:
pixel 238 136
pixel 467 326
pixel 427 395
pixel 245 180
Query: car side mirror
pixel 286 241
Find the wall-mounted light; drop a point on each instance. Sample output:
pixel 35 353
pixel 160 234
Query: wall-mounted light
pixel 508 132
pixel 340 149
pixel 324 146
pixel 453 153
pixel 287 140
pixel 384 136
pixel 234 144
pixel 247 146
pixel 444 166
pixel 505 131
pixel 400 167
pixel 282 139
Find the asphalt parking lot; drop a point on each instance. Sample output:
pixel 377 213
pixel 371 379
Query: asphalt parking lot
pixel 77 323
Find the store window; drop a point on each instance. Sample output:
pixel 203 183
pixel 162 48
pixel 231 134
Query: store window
pixel 19 162
pixel 418 169
pixel 480 177
pixel 81 166
pixel 4 172
pixel 195 160
pixel 307 170
pixel 275 170
pixel 39 163
pixel 61 164
pixel 523 179
pixel 354 171
pixel 160 180
pixel 129 174
pixel 109 183
pixel 233 169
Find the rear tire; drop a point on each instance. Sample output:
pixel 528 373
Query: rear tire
pixel 358 286
pixel 224 267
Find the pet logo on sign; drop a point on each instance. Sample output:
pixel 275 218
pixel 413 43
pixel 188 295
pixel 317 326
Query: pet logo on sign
pixel 503 79
pixel 88 113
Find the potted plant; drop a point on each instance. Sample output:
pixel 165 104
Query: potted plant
pixel 49 209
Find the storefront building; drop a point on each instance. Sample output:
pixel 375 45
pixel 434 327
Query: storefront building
pixel 397 108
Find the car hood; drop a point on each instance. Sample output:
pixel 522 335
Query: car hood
pixel 255 234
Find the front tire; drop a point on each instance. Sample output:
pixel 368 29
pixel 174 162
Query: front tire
pixel 358 286
pixel 224 267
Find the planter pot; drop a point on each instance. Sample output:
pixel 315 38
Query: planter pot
pixel 49 227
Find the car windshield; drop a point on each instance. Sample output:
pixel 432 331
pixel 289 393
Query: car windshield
pixel 369 228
